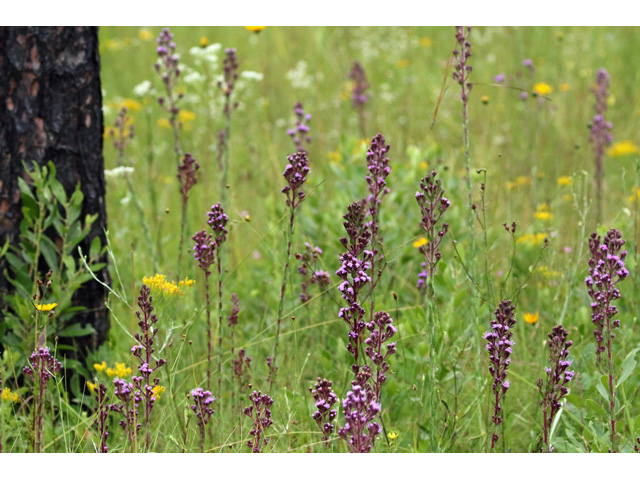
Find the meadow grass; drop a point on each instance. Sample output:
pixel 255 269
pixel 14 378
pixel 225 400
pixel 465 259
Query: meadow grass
pixel 536 163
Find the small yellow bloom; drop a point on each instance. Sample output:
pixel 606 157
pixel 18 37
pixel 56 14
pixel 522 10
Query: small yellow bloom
pixel 421 242
pixel 187 282
pixel 186 116
pixel 131 104
pixel 484 99
pixel 204 41
pixel 145 34
pixel 542 212
pixel 9 396
pixel 424 165
pixel 564 87
pixel 523 180
pixel 392 435
pixel 164 123
pixel 92 386
pixel 255 29
pixel 100 367
pixel 157 391
pixel 121 371
pixel 531 318
pixel 532 239
pixel 159 282
pixel 46 307
pixel 426 42
pixel 620 149
pixel 542 89
pixel 565 181
pixel 402 63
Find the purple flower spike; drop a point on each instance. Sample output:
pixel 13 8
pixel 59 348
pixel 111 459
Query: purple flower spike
pixel 325 399
pixel 204 250
pixel 202 400
pixel 499 78
pixel 260 414
pixel 499 345
pixel 360 409
pixel 300 134
pixel 295 173
pixel 600 132
pixel 358 95
pixel 558 375
pixel 308 260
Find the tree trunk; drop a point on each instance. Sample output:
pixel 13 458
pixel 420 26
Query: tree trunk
pixel 51 110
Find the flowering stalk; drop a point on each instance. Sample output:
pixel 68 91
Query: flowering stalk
pixel 325 398
pixel 600 136
pixel 202 400
pixel 382 330
pixel 358 95
pixel 432 204
pixel 606 270
pixel 129 398
pixel 227 86
pixel 233 321
pixel 144 384
pixel 307 260
pixel 42 367
pixel 499 345
pixel 295 173
pixel 360 409
pixel 300 133
pixel 557 378
pixel 353 272
pixel 217 221
pixel 187 178
pixel 204 252
pixel 379 170
pixel 260 415
pixel 241 368
pixel 101 422
pixel 169 71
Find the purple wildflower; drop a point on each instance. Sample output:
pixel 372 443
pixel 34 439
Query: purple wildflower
pixel 168 69
pixel 202 400
pixel 260 414
pixel 187 178
pixel 606 270
pixel 144 352
pixel 129 398
pixel 499 78
pixel 499 345
pixel 325 398
pixel 300 133
pixel 307 260
pixel 241 368
pixel 227 85
pixel 359 97
pixel 558 375
pixel 600 136
pixel 101 421
pixel 360 409
pixel 382 330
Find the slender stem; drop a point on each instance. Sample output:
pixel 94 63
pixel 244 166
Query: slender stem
pixel 206 284
pixel 219 319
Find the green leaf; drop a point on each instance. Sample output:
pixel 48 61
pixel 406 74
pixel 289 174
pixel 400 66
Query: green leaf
pixel 602 390
pixel 596 408
pixel 576 400
pixel 94 249
pixel 628 366
pixel 49 252
pixel 76 330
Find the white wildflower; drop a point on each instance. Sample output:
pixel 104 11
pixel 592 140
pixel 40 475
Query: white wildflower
pixel 118 172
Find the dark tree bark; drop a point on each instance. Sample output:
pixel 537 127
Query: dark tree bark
pixel 51 109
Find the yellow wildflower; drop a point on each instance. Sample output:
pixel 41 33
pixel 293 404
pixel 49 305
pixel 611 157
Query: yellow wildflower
pixel 100 367
pixel 204 41
pixel 255 29
pixel 186 116
pixel 164 123
pixel 113 44
pixel 620 149
pixel 92 386
pixel 46 307
pixel 402 63
pixel 157 391
pixel 121 371
pixel 532 239
pixel 426 42
pixel 564 87
pixel 542 212
pixel 187 282
pixel 548 273
pixel 159 282
pixel 392 435
pixel 424 165
pixel 421 242
pixel 131 104
pixel 9 396
pixel 519 181
pixel 484 99
pixel 531 318
pixel 542 89
pixel 145 34
pixel 565 181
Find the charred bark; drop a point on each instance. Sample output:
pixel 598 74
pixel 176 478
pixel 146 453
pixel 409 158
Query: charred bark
pixel 51 110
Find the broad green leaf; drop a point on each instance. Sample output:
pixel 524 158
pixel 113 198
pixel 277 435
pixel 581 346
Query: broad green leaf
pixel 628 367
pixel 76 330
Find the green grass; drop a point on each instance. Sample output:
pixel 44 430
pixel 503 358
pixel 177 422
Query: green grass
pixel 538 141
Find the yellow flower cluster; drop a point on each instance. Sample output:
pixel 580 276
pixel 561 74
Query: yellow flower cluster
pixel 421 242
pixel 46 307
pixel 548 273
pixel 531 318
pixel 620 149
pixel 92 386
pixel 542 89
pixel 157 391
pixel 635 196
pixel 542 212
pixel 255 29
pixel 9 396
pixel 121 371
pixel 160 283
pixel 565 181
pixel 532 238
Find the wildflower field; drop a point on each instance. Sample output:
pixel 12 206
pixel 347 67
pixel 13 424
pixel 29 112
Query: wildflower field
pixel 354 239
